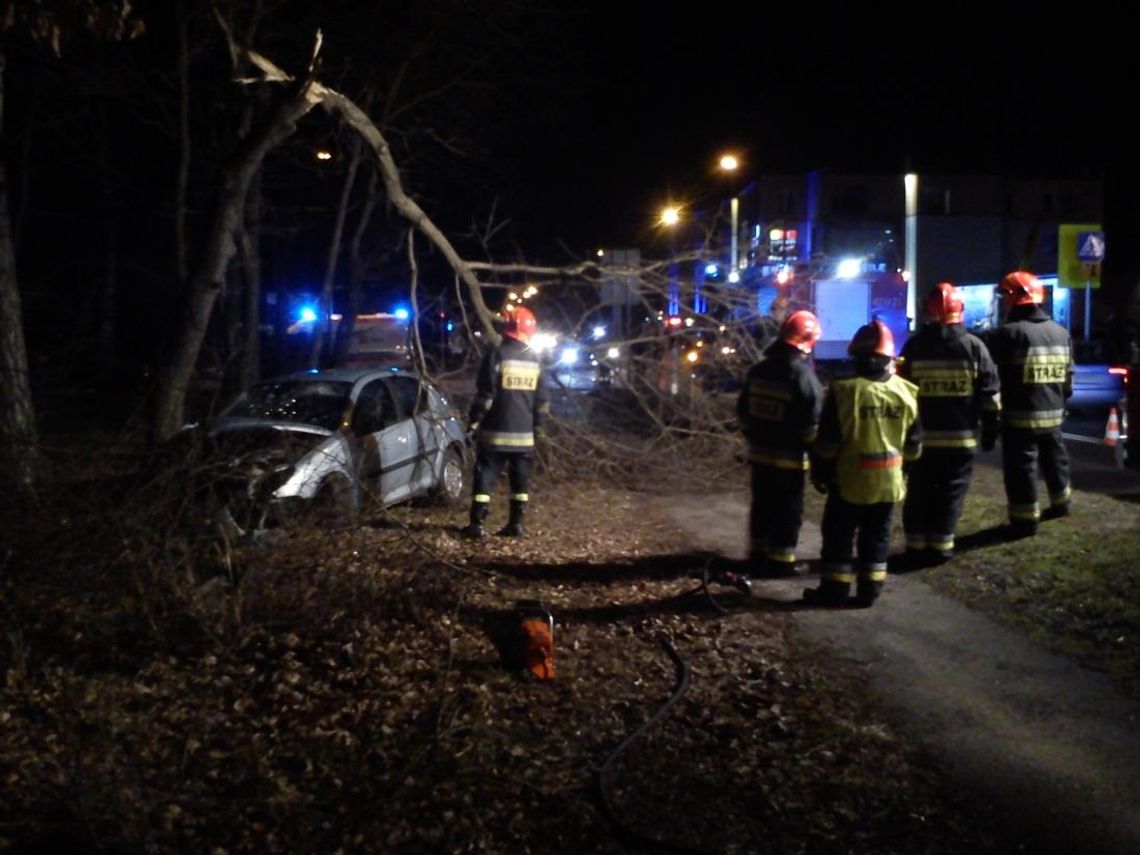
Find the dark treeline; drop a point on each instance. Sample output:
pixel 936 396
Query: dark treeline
pixel 117 146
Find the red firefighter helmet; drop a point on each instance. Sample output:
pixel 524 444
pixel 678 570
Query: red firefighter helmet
pixel 944 304
pixel 801 330
pixel 520 322
pixel 1021 288
pixel 873 339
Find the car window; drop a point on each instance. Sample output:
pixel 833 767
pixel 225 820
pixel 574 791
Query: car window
pixel 407 391
pixel 374 409
pixel 320 403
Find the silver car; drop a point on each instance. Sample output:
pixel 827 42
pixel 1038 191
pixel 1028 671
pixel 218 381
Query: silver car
pixel 320 444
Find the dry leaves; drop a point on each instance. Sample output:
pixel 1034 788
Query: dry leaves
pixel 347 693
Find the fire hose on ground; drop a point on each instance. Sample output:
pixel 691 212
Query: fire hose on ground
pixel 629 834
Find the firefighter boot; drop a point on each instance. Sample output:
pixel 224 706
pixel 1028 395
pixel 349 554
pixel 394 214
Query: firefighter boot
pixel 1022 528
pixel 773 568
pixel 912 559
pixel 514 526
pixel 474 528
pixel 829 593
pixel 866 592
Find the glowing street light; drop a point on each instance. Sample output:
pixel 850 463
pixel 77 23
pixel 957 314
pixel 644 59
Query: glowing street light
pixel 670 217
pixel 730 163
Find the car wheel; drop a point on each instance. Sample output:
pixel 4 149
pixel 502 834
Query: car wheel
pixel 333 507
pixel 452 488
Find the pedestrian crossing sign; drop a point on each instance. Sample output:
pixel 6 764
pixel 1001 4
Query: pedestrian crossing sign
pixel 1080 255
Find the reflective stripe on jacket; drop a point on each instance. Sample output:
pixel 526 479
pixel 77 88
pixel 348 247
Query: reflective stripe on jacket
pixel 869 427
pixel 1034 357
pixel 778 408
pixel 510 397
pixel 957 385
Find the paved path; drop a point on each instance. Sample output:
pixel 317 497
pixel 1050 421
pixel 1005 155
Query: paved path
pixel 1053 744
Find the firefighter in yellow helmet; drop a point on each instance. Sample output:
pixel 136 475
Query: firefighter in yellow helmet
pixel 510 405
pixel 957 393
pixel 1034 357
pixel 868 430
pixel 778 410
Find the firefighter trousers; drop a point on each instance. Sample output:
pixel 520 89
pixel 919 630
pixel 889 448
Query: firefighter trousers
pixel 867 528
pixel 489 464
pixel 1022 451
pixel 935 492
pixel 776 514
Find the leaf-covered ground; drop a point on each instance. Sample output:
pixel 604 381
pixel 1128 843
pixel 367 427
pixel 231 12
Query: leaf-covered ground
pixel 347 692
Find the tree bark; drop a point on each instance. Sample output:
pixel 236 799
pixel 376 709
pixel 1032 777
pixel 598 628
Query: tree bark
pixel 205 282
pixel 356 269
pixel 108 296
pixel 324 329
pixel 182 177
pixel 250 371
pixel 17 416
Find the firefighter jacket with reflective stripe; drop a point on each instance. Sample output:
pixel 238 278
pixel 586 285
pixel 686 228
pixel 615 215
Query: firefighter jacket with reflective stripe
pixel 869 427
pixel 957 385
pixel 778 408
pixel 510 397
pixel 1034 357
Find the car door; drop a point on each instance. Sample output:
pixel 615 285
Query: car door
pixel 412 398
pixel 387 443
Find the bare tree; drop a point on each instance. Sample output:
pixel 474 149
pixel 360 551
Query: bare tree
pixel 324 332
pixel 251 268
pixel 17 418
pixel 355 273
pixel 49 24
pixel 206 281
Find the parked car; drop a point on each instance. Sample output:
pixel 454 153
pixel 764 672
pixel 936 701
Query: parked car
pixel 1097 383
pixel 319 445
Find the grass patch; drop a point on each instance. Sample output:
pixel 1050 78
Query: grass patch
pixel 1075 587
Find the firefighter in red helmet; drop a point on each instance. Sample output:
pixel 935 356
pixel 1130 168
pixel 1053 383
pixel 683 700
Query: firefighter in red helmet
pixel 1034 357
pixel 868 430
pixel 957 392
pixel 778 410
pixel 510 405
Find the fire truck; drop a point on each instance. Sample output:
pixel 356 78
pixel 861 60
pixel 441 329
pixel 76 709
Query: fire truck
pixel 844 296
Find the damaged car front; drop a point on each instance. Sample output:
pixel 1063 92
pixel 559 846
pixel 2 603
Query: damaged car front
pixel 284 455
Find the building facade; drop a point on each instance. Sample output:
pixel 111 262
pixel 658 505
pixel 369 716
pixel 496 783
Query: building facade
pixel 966 228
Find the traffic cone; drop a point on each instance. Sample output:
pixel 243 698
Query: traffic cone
pixel 1112 429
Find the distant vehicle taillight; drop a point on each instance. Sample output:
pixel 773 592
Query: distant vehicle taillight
pixel 1118 369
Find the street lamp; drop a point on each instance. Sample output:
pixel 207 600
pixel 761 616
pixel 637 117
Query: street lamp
pixel 670 217
pixel 730 163
pixel 910 194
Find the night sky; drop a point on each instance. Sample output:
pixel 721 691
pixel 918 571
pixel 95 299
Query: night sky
pixel 580 119
pixel 653 94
